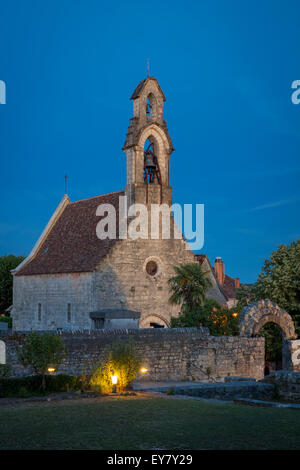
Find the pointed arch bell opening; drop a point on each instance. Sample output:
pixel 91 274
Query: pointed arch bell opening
pixel 154 139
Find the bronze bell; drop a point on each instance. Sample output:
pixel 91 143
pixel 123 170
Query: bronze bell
pixel 149 161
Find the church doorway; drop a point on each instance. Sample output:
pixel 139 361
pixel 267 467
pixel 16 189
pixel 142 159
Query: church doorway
pixel 156 325
pixel 154 321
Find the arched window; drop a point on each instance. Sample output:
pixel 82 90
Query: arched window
pixel 148 107
pixel 151 106
pixel 151 167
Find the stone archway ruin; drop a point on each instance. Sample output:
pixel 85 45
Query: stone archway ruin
pixel 254 316
pixel 257 314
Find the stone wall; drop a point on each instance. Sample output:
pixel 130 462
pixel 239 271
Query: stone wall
pixel 120 281
pixel 287 384
pixel 169 354
pixel 54 292
pixel 291 355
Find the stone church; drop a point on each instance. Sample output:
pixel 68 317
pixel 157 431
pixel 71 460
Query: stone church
pixel 73 280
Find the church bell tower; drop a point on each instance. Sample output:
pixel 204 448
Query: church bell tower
pixel 148 147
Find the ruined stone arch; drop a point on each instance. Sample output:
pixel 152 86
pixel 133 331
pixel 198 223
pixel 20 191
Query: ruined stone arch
pixel 257 314
pixel 156 318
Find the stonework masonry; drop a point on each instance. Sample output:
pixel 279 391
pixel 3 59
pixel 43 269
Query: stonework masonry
pixel 120 281
pixel 183 354
pixel 53 292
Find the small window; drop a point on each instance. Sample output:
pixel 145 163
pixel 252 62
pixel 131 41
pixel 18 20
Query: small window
pixel 69 313
pixel 148 107
pixel 39 312
pixel 151 268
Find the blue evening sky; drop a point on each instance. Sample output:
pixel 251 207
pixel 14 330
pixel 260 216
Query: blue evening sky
pixel 226 68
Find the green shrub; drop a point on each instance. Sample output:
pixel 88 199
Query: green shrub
pixel 14 387
pixel 7 320
pixel 62 383
pixel 10 387
pixel 41 351
pixel 24 393
pixel 121 359
pixel 4 370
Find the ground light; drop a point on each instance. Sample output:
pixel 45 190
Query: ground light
pixel 51 370
pixel 114 379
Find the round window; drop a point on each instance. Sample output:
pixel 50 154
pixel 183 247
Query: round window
pixel 151 268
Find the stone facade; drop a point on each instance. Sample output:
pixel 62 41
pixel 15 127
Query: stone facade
pixel 53 292
pixel 121 281
pixel 169 354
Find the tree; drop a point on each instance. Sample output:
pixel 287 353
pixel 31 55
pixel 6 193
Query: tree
pixel 188 287
pixel 279 279
pixel 7 263
pixel 245 295
pixel 41 352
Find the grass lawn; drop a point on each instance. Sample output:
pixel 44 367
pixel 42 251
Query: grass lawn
pixel 146 423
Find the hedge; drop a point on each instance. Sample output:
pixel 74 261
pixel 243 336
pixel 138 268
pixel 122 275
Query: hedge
pixel 13 387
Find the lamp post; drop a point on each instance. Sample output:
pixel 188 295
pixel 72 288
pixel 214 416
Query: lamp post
pixel 114 379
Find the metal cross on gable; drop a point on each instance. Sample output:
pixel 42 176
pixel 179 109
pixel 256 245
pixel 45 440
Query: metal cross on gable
pixel 66 189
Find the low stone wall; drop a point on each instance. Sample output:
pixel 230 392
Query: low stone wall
pixel 287 384
pixel 220 390
pixel 169 354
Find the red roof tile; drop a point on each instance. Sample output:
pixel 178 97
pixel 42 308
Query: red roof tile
pixel 72 244
pixel 200 258
pixel 229 288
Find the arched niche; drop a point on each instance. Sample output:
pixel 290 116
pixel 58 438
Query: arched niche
pixel 151 106
pixel 161 148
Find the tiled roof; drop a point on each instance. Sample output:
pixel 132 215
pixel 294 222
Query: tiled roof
pixel 228 287
pixel 72 244
pixel 200 258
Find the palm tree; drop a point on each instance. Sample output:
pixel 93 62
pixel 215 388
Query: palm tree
pixel 188 286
